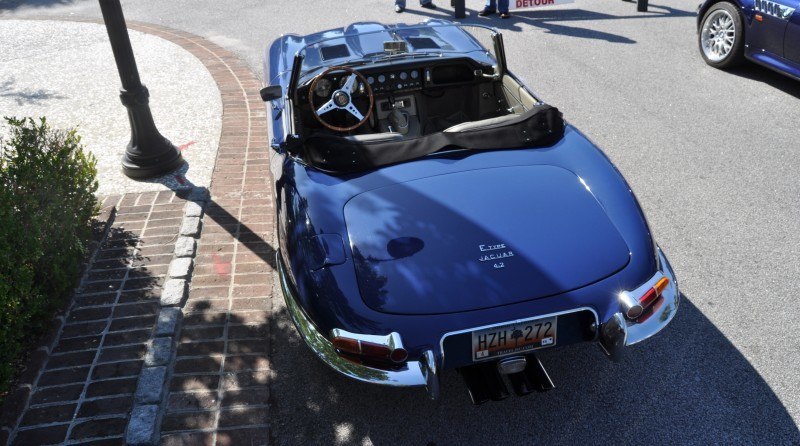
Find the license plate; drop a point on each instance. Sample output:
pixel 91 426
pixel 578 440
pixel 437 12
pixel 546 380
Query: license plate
pixel 513 338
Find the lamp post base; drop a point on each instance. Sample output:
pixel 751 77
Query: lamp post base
pixel 168 158
pixel 149 154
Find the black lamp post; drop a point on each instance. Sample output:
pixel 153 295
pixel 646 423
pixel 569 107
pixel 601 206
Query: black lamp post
pixel 148 153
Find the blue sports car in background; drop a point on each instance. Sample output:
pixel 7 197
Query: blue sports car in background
pixel 434 214
pixel 764 31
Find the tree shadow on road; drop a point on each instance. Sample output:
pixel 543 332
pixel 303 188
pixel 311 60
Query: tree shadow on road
pixel 10 5
pixel 687 385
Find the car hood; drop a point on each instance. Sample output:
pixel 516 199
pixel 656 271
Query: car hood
pixel 362 38
pixel 479 239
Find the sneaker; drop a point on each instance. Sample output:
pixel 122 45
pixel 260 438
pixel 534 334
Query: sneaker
pixel 429 5
pixel 398 9
pixel 505 15
pixel 486 11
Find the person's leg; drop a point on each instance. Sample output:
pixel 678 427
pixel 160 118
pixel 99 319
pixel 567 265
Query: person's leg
pixel 399 5
pixel 489 8
pixel 502 6
pixel 427 4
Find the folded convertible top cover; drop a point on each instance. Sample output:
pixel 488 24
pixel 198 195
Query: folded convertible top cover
pixel 541 126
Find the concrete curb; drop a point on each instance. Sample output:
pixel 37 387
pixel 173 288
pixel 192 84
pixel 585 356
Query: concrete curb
pixel 151 391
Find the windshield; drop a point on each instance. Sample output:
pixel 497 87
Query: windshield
pixel 363 43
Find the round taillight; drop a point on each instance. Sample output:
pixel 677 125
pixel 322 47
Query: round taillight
pixel 634 312
pixel 398 355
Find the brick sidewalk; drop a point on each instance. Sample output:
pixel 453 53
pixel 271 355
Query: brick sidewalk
pixel 85 389
pixel 113 360
pixel 219 389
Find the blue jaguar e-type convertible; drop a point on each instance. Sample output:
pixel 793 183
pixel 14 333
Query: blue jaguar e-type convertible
pixel 435 214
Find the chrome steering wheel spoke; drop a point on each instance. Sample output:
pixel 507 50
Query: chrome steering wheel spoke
pixel 350 107
pixel 326 107
pixel 348 86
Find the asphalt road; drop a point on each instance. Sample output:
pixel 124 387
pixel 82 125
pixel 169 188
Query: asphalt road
pixel 712 156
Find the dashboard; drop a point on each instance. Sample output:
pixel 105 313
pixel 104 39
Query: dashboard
pixel 395 80
pixel 409 77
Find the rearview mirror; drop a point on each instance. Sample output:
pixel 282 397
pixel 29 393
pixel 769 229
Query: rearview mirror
pixel 271 93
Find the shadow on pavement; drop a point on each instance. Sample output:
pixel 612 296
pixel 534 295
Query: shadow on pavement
pixel 776 80
pixel 15 4
pixel 687 385
pixel 26 96
pixel 545 19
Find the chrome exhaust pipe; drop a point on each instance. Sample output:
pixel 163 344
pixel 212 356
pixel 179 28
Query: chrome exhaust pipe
pixel 612 337
pixel 534 377
pixel 484 383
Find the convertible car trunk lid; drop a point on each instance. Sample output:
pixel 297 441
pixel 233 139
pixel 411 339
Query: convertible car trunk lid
pixel 478 239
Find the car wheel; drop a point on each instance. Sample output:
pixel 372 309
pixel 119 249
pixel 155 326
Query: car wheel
pixel 721 36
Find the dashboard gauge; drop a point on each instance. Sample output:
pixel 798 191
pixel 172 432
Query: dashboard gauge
pixel 323 88
pixel 371 80
pixel 403 75
pixel 414 74
pixel 381 78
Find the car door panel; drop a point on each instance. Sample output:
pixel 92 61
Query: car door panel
pixel 791 44
pixel 768 29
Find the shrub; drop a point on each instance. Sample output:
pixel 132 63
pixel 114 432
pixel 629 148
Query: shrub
pixel 47 186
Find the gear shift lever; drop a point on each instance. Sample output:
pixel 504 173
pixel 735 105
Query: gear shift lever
pixel 398 119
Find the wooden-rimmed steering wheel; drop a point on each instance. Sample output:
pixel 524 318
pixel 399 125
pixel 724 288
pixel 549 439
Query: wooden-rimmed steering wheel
pixel 341 99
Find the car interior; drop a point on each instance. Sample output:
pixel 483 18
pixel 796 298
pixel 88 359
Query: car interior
pixel 409 100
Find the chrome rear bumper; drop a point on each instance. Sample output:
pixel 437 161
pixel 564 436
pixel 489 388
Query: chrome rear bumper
pixel 639 331
pixel 619 332
pixel 422 373
pixel 616 333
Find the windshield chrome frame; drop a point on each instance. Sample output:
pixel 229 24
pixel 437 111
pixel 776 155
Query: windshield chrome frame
pixel 393 31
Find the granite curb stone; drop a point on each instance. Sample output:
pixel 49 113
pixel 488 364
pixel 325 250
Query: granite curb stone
pixel 180 268
pixel 143 427
pixel 185 247
pixel 168 319
pixel 190 227
pixel 159 352
pixel 150 389
pixel 174 293
pixel 194 208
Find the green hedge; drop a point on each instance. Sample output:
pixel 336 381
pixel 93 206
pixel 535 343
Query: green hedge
pixel 47 186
